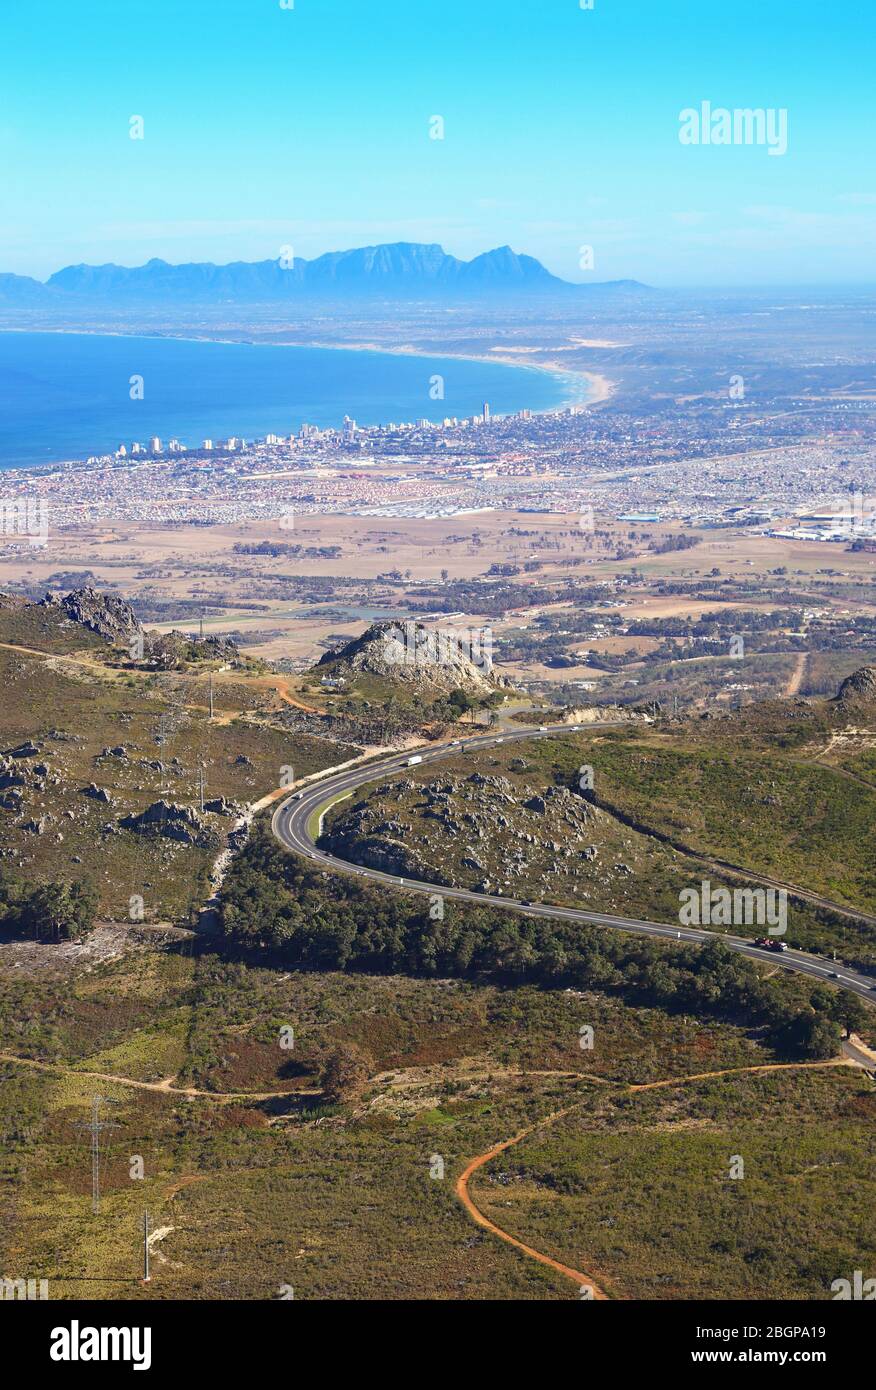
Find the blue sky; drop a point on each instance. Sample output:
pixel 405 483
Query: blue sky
pixel 309 127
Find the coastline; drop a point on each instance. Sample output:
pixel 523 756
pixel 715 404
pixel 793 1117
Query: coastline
pixel 601 386
pixel 577 386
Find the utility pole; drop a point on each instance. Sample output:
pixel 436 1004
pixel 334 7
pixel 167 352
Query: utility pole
pixel 146 1275
pixel 201 784
pixel 201 629
pixel 95 1129
pixel 211 696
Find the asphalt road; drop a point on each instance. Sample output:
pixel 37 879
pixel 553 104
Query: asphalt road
pixel 290 825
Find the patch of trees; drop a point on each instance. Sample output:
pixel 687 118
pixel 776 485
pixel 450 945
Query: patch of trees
pixel 665 547
pixel 46 911
pixel 717 626
pixel 273 901
pixel 281 548
pixel 462 702
pixel 345 1074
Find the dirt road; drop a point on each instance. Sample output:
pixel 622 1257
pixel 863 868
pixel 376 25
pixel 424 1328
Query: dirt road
pixel 165 1087
pixel 587 1281
pixel 799 671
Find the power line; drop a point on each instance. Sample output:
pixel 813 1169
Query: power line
pixel 95 1128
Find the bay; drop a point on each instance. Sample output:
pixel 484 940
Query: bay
pixel 69 395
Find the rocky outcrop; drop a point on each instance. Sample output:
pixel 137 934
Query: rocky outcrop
pixel 104 614
pixel 97 793
pixel 10 776
pixel 425 658
pixel 221 806
pixel 361 837
pixel 595 714
pixel 172 822
pixel 482 814
pixel 859 688
pixel 25 750
pixel 37 826
pixel 170 651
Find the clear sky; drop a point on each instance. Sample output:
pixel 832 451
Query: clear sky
pixel 267 127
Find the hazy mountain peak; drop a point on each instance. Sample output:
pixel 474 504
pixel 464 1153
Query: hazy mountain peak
pixel 400 269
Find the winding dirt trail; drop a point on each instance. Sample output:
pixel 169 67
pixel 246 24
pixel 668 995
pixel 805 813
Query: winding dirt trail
pixel 587 1281
pixel 738 1071
pixel 582 1280
pixel 165 1088
pixel 111 674
pixel 283 692
pixel 820 760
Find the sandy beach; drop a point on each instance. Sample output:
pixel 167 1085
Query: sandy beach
pixel 599 387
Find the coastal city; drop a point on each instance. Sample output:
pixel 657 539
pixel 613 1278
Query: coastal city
pixel 792 469
pixel 438 655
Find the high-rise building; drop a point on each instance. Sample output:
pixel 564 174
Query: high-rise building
pixel 155 445
pixel 486 412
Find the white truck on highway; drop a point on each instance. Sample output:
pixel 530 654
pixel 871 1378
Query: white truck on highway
pixel 412 762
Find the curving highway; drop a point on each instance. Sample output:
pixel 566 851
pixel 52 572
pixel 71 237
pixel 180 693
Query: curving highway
pixel 296 825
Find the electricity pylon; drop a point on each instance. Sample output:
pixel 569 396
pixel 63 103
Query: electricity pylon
pixel 95 1128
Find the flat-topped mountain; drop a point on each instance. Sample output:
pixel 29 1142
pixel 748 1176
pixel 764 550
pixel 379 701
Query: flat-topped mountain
pixel 398 270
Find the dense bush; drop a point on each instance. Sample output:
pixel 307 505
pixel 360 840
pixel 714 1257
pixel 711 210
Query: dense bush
pixel 274 901
pixel 46 911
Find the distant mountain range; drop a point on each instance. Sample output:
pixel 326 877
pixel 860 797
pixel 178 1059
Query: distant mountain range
pixel 403 270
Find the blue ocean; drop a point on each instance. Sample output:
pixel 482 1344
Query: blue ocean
pixel 69 395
